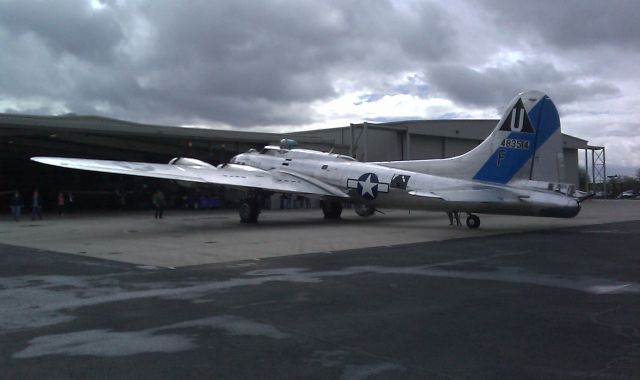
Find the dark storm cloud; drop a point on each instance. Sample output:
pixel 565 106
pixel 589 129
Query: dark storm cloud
pixel 239 63
pixel 262 63
pixel 572 50
pixel 64 26
pixel 573 24
pixel 496 86
pixel 281 54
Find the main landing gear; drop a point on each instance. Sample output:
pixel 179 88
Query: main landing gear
pixel 249 210
pixel 473 221
pixel 331 209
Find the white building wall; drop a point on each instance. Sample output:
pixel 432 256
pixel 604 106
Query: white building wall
pixel 424 147
pixel 571 166
pixel 383 145
pixel 455 147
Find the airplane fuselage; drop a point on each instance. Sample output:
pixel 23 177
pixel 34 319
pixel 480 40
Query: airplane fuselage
pixel 384 187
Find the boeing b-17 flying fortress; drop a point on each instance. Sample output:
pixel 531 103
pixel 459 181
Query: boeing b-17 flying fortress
pixel 516 170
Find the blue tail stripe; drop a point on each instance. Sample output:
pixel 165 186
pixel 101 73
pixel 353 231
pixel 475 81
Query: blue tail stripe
pixel 546 120
pixel 504 163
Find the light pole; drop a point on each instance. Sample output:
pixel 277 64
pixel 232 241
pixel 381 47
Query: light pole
pixel 612 179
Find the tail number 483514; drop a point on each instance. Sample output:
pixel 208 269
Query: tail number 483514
pixel 515 144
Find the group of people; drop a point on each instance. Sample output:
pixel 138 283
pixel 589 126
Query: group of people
pixel 64 204
pixel 17 204
pixel 454 215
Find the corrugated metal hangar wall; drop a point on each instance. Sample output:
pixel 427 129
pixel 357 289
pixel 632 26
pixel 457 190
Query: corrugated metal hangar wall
pixel 427 139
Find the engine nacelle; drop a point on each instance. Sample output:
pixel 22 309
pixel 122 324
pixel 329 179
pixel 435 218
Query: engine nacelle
pixel 192 163
pixel 186 161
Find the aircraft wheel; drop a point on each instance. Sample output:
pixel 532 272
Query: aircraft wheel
pixel 473 221
pixel 331 210
pixel 364 210
pixel 249 211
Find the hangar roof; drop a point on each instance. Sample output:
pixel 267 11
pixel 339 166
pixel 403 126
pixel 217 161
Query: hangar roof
pixel 475 129
pixel 103 125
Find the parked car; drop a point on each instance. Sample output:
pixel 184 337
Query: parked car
pixel 629 194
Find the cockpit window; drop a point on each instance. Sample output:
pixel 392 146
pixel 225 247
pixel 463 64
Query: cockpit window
pixel 270 151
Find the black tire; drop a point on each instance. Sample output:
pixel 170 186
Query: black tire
pixel 473 221
pixel 331 209
pixel 249 211
pixel 364 210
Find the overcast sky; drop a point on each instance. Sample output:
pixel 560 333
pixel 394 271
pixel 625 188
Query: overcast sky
pixel 288 65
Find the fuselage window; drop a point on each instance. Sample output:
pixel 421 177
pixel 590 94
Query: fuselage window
pixel 269 152
pixel 324 167
pixel 399 181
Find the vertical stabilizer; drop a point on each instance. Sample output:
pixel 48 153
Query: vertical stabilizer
pixel 525 145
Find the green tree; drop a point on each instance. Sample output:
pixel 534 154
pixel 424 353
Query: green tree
pixel 583 179
pixel 620 184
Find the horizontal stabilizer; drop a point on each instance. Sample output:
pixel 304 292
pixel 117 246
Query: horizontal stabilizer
pixel 477 195
pixel 425 194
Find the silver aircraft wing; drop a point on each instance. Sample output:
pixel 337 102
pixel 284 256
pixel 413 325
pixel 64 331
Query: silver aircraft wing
pixel 228 175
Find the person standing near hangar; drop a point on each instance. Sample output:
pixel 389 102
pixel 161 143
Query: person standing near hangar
pixel 16 205
pixel 36 205
pixel 159 203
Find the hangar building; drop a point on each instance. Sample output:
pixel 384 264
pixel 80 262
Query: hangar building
pixel 24 136
pixel 428 139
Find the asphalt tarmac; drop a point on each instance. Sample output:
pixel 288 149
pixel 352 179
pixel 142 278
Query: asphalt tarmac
pixel 545 304
pixel 196 237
